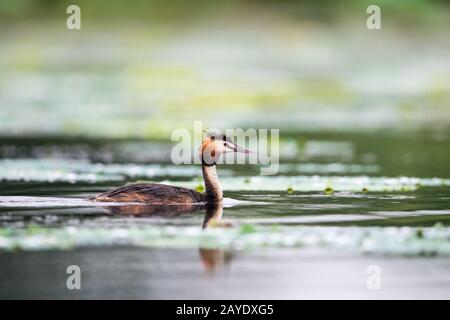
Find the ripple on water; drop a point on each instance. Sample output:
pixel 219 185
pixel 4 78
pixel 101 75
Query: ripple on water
pixel 52 202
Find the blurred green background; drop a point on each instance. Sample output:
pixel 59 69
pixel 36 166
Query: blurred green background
pixel 141 69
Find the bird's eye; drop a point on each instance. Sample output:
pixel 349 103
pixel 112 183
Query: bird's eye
pixel 225 144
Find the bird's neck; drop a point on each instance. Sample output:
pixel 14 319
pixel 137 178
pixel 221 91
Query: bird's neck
pixel 212 184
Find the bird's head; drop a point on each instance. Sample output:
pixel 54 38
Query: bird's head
pixel 215 144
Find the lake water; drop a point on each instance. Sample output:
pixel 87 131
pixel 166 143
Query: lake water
pixel 311 231
pixel 362 195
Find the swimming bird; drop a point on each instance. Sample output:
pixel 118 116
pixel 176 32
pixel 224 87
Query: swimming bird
pixel 213 146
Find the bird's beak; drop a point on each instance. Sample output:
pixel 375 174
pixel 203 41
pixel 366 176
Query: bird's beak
pixel 239 149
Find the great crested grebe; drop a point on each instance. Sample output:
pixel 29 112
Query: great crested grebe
pixel 214 145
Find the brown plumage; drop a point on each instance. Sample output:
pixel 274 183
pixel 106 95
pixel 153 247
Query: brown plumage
pixel 155 193
pixel 213 146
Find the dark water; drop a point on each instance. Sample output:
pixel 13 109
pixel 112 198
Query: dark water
pixel 128 273
pixel 312 231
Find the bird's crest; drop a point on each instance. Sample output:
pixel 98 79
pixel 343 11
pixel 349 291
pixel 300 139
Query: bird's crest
pixel 215 134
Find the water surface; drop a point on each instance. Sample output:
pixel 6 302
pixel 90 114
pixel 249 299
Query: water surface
pixel 309 232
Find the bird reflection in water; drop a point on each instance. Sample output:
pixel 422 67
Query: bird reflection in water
pixel 156 210
pixel 213 259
